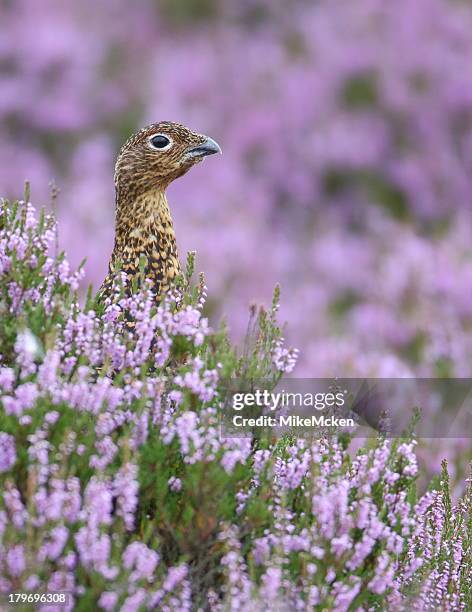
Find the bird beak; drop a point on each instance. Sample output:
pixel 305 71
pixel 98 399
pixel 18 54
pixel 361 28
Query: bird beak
pixel 209 147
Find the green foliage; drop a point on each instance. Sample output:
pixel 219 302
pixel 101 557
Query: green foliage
pixel 360 91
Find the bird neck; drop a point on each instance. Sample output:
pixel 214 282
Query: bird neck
pixel 144 228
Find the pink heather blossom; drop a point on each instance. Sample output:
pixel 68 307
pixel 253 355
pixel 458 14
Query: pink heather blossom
pixel 139 558
pixel 175 484
pixel 53 549
pixel 108 600
pixel 7 451
pixel 202 383
pixel 98 500
pixel 125 490
pixel 271 582
pixel 284 359
pixel 7 378
pixel 28 349
pixel 175 577
pixel 15 560
pixel 134 602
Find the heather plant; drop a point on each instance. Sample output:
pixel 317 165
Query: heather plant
pixel 346 132
pixel 118 486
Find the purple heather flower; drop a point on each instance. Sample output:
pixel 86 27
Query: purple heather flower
pixel 98 500
pixel 344 593
pixel 107 450
pixel 7 378
pixel 261 550
pixel 384 575
pixel 236 455
pixel 134 602
pixel 125 490
pixel 47 371
pixel 28 350
pixel 341 544
pixel 94 550
pixel 60 581
pixel 141 559
pixel 284 359
pixel 15 560
pixel 24 399
pixel 54 547
pixel 14 506
pixel 32 583
pixel 175 484
pixel 175 575
pixel 7 451
pixel 108 600
pixel 203 384
pixel 271 583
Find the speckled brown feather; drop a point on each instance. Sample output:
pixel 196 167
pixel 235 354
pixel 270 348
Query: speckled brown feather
pixel 144 227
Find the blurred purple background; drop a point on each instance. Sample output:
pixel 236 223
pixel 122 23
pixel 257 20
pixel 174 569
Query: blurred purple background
pixel 347 169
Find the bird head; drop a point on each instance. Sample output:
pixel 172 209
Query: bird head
pixel 158 154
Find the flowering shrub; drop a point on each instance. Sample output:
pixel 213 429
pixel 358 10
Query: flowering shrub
pixel 346 168
pixel 117 486
pixel 346 175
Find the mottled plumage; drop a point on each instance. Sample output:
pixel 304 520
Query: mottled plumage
pixel 148 162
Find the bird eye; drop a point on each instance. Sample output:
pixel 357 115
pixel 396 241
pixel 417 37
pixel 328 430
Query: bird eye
pixel 159 141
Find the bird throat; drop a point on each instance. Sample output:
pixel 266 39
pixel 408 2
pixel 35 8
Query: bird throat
pixel 145 242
